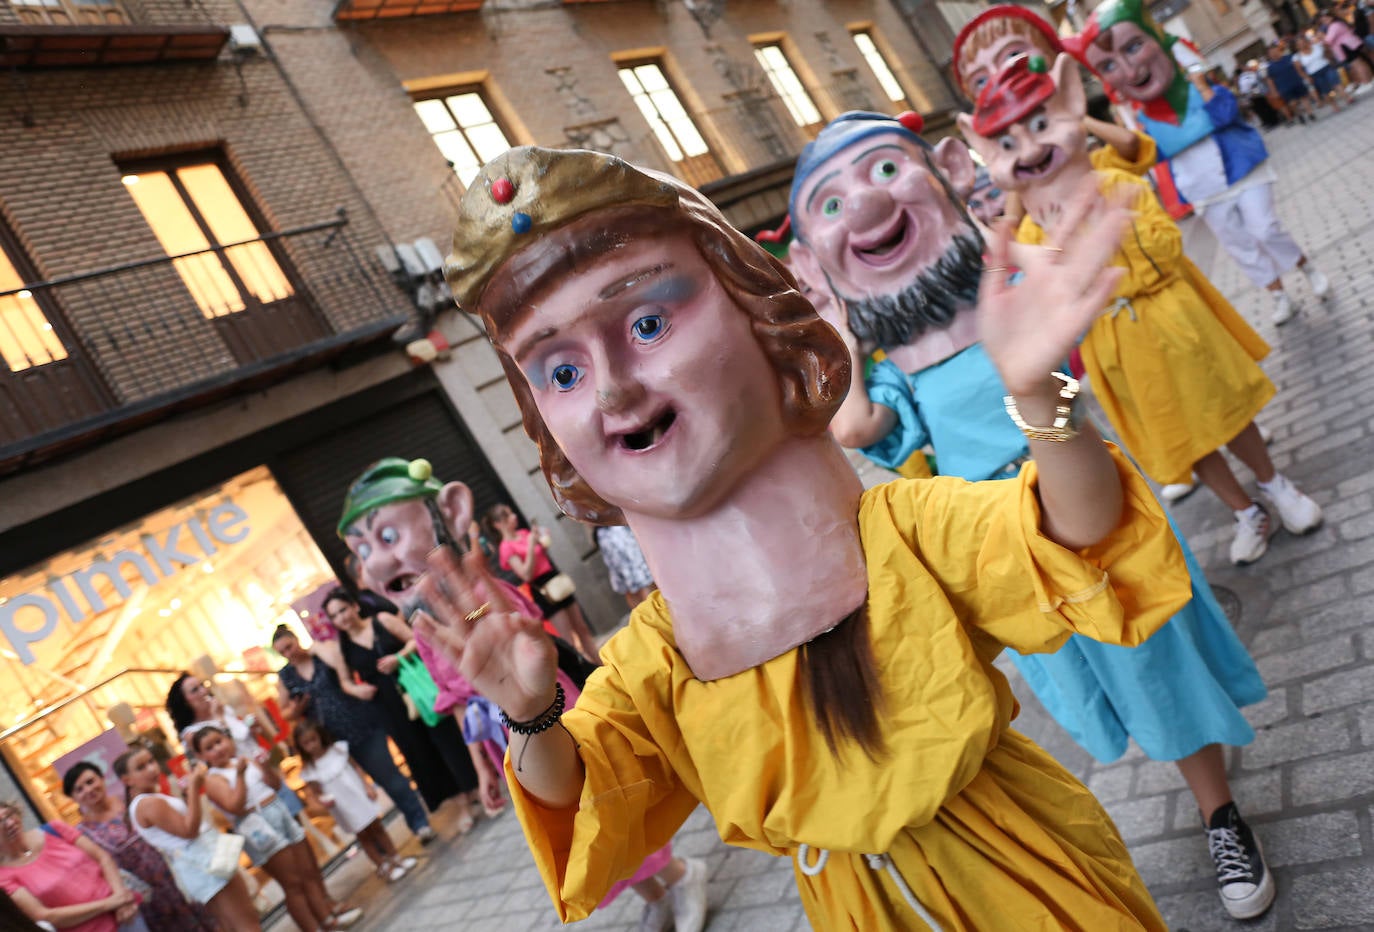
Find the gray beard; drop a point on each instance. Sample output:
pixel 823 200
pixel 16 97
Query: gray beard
pixel 928 303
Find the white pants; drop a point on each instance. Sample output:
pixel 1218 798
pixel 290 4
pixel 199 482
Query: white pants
pixel 1250 231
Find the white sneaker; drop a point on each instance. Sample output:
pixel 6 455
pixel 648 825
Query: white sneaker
pixel 1283 308
pixel 1177 491
pixel 1300 515
pixel 408 863
pixel 688 898
pixel 1321 285
pixel 1253 530
pixel 657 916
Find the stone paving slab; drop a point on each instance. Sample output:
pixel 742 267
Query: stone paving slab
pixel 1307 781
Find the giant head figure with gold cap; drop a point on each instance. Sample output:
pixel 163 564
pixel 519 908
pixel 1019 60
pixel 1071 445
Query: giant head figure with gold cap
pixel 663 362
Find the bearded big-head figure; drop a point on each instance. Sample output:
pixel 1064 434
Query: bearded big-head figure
pixel 879 218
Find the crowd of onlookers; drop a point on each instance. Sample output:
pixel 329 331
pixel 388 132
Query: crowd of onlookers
pixel 1324 65
pixel 158 854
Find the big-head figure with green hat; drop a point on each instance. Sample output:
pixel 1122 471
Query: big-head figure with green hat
pixel 1217 160
pixel 394 514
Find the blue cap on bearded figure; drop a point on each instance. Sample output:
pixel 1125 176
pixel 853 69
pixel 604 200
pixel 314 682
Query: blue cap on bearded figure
pixel 981 179
pixel 841 133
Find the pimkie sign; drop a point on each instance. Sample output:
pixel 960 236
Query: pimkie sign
pixel 31 617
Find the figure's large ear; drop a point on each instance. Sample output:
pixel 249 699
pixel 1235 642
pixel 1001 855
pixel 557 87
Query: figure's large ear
pixel 455 504
pixel 1069 97
pixel 953 159
pixel 980 144
pixel 802 259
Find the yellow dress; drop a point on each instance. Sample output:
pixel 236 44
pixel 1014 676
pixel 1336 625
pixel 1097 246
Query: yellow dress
pixel 986 829
pixel 1171 361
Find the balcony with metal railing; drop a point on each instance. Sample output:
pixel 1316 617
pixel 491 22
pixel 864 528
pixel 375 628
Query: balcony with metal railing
pixel 84 33
pixel 89 355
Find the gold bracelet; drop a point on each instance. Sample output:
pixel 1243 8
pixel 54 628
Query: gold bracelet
pixel 1063 428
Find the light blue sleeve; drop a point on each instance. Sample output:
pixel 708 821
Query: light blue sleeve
pixel 888 386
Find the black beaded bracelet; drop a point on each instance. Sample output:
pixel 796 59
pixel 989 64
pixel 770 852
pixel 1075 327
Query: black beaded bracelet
pixel 541 722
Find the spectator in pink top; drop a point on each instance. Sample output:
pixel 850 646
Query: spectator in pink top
pixel 525 553
pixel 58 875
pixel 1347 49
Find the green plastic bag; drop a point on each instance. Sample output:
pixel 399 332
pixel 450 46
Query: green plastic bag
pixel 419 686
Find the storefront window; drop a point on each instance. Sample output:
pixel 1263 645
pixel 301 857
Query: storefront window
pixel 91 639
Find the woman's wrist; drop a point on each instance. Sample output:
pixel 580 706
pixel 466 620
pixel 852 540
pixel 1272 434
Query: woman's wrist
pixel 535 708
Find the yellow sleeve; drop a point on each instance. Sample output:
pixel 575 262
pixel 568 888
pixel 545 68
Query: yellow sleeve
pixel 632 802
pixel 1106 157
pixel 982 543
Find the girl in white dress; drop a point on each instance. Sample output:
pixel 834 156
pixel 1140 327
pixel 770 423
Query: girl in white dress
pixel 335 781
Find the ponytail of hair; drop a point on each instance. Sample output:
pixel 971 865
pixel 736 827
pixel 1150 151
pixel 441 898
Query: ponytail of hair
pixel 842 685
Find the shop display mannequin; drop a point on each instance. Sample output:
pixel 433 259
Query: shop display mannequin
pixel 675 379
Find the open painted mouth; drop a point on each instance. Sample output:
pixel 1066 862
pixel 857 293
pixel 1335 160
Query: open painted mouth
pixel 402 583
pixel 1142 81
pixel 887 249
pixel 1042 166
pixel 651 434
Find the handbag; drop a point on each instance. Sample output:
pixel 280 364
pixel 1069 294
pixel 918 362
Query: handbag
pixel 252 827
pixel 420 687
pixel 224 849
pixel 558 589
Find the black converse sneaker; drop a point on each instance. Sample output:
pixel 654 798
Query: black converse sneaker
pixel 1243 879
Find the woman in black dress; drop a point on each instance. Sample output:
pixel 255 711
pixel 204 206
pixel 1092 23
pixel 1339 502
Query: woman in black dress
pixel 372 647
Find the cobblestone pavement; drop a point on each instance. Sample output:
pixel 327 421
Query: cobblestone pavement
pixel 1307 781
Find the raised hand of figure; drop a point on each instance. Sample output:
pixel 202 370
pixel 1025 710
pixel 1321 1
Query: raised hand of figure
pixel 506 656
pixel 1028 329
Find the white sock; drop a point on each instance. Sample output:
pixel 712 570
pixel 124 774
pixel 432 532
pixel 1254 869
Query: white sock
pixel 1266 486
pixel 1247 513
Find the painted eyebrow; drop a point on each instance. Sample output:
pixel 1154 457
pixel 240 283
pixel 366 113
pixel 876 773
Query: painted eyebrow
pixel 611 291
pixel 817 189
pixel 878 148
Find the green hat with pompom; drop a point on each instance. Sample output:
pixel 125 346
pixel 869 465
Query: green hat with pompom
pixel 388 480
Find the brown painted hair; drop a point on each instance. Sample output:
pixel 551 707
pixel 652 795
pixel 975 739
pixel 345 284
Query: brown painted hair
pixel 813 369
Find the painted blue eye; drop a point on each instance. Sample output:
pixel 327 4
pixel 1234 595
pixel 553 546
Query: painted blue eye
pixel 364 551
pixel 831 206
pixel 995 192
pixel 565 377
pixel 649 328
pixel 389 535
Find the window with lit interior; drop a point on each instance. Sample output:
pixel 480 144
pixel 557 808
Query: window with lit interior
pixel 464 129
pixel 672 125
pixel 788 86
pixel 27 338
pixel 217 248
pixel 880 68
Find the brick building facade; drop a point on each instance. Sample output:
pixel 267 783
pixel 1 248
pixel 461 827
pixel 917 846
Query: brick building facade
pixel 200 212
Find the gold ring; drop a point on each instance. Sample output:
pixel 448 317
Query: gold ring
pixel 995 268
pixel 477 613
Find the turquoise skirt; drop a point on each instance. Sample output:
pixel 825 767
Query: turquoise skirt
pixel 1180 691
